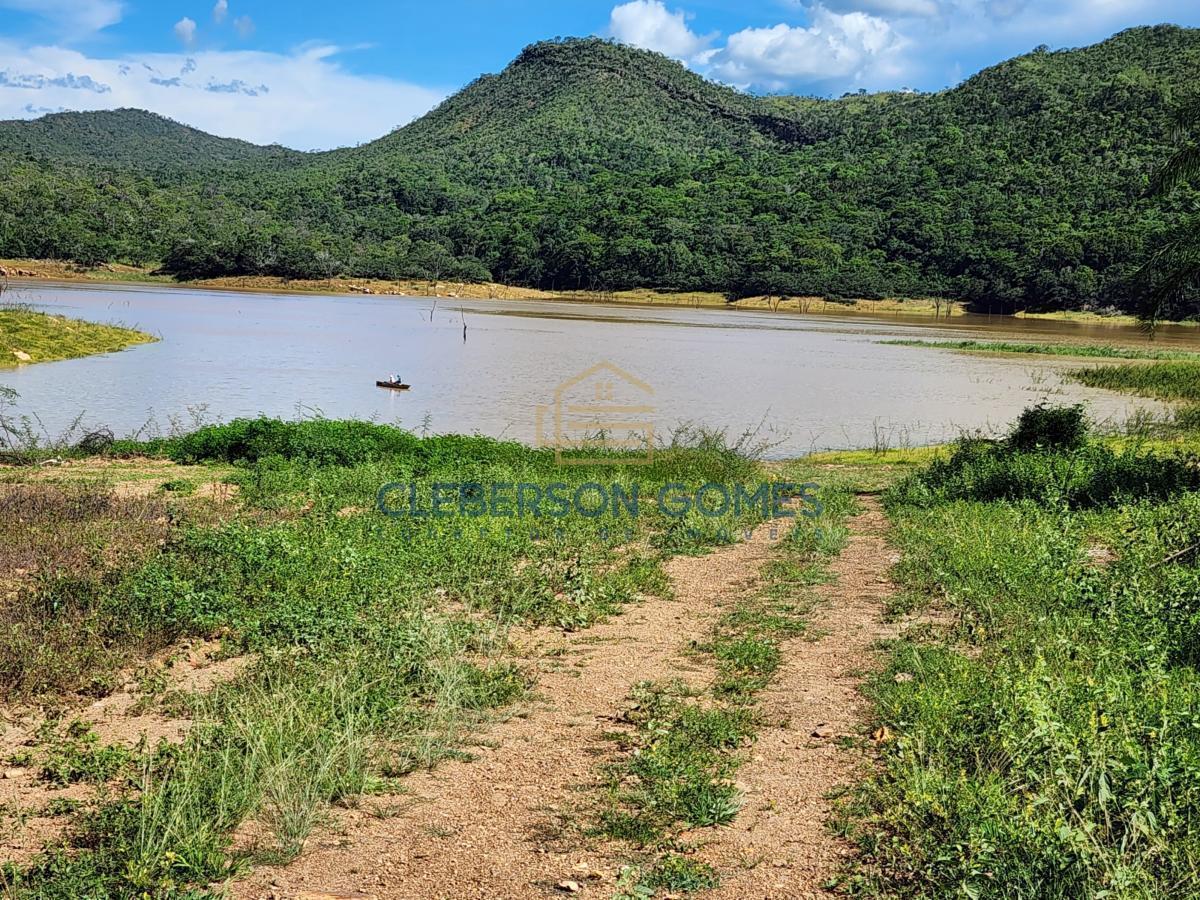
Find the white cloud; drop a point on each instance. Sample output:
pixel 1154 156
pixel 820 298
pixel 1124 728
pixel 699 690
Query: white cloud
pixel 185 30
pixel 829 46
pixel 1036 14
pixel 650 25
pixel 73 18
pixel 839 49
pixel 244 26
pixel 834 51
pixel 302 99
pixel 220 11
pixel 890 8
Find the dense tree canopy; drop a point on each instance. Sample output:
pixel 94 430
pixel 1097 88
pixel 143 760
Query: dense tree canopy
pixel 1171 283
pixel 591 165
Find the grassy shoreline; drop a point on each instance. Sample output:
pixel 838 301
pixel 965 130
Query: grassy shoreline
pixel 32 271
pixel 374 641
pixel 29 336
pixel 1043 722
pixel 1082 351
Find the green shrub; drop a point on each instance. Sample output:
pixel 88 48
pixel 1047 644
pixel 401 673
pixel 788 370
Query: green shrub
pixel 1050 428
pixel 321 441
pixel 1046 459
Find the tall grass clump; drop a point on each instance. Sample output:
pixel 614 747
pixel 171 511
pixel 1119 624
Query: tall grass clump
pixel 1048 743
pixel 1178 381
pixel 1164 380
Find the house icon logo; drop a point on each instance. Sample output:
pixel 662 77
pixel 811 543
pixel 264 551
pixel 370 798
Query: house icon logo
pixel 601 409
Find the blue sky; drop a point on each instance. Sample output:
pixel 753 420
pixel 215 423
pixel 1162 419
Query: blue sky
pixel 315 74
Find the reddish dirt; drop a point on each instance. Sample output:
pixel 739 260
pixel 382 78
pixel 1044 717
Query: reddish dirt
pixel 504 825
pixel 779 845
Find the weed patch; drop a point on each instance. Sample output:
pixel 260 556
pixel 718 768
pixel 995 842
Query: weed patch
pixel 1046 747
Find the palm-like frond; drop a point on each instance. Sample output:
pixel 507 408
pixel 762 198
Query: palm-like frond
pixel 1184 165
pixel 1169 276
pixel 1180 168
pixel 1172 274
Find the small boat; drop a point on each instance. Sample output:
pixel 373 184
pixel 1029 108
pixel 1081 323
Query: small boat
pixel 393 385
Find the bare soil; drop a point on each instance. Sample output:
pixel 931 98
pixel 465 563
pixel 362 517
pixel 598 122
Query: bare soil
pixel 504 825
pixel 507 823
pixel 779 845
pixel 29 821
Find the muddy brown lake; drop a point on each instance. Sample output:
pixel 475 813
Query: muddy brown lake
pixel 800 382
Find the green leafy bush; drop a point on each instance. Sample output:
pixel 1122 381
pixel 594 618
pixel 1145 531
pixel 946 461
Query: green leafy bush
pixel 1050 428
pixel 321 441
pixel 1048 459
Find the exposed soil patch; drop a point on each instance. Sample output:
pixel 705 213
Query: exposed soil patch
pixel 498 826
pixel 779 845
pixel 35 813
pixel 193 667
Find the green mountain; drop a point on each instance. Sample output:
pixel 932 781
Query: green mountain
pixel 127 139
pixel 587 164
pixel 601 105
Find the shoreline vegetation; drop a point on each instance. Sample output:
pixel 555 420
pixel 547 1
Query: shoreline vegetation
pixel 1080 351
pixel 29 336
pixel 32 271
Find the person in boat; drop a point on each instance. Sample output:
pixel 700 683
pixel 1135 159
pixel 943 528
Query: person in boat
pixel 396 379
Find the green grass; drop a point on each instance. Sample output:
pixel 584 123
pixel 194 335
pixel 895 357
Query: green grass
pixel 1076 350
pixel 1178 381
pixel 43 337
pixel 379 641
pixel 1045 742
pixel 1163 381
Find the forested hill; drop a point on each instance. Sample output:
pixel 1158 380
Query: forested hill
pixel 587 104
pixel 130 139
pixel 591 165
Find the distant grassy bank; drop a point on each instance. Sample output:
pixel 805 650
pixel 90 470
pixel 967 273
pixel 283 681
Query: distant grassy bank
pixel 27 336
pixel 1091 351
pixel 899 306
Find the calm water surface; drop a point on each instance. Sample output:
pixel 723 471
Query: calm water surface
pixel 807 382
